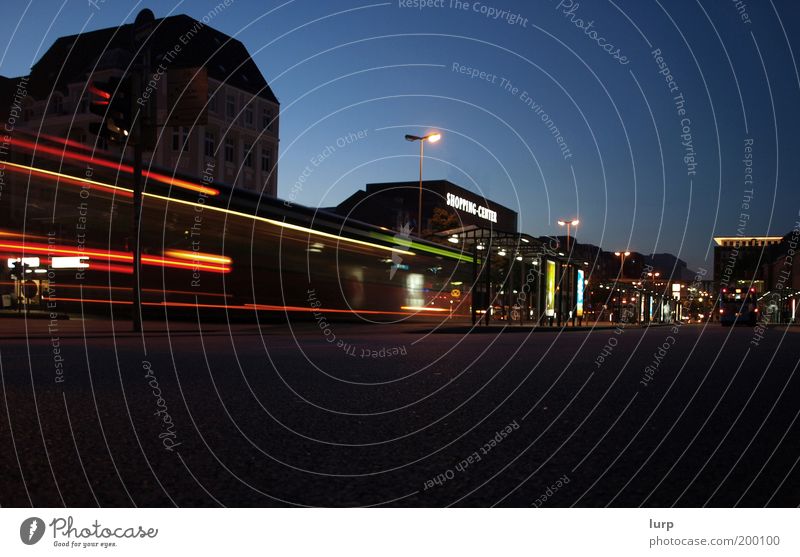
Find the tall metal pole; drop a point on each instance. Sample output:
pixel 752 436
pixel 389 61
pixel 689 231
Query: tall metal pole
pixel 570 293
pixel 419 212
pixel 141 31
pixel 137 248
pixel 621 276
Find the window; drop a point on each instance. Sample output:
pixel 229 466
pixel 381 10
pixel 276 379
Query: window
pixel 266 160
pixel 229 150
pixel 266 119
pixel 230 106
pixel 248 116
pixel 248 155
pixel 211 144
pixel 180 137
pixel 212 102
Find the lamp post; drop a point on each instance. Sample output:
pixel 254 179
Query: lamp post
pixel 433 138
pixel 622 255
pixel 568 223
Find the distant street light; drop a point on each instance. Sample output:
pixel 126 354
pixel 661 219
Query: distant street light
pixel 568 223
pixel 622 255
pixel 432 138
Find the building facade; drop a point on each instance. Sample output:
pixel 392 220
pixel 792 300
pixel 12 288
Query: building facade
pixel 445 206
pixel 237 141
pixel 740 260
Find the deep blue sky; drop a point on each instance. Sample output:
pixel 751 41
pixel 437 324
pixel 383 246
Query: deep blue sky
pixel 347 65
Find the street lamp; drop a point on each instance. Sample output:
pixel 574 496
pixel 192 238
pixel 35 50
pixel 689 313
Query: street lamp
pixel 622 255
pixel 432 138
pixel 568 224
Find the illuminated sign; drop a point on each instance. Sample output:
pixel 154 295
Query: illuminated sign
pixel 550 293
pixel 69 262
pixel 471 207
pixel 29 261
pixel 579 294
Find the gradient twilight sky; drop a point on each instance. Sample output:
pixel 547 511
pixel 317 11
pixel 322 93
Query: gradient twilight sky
pixel 339 67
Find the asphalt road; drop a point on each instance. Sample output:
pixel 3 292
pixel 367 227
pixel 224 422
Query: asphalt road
pixel 397 417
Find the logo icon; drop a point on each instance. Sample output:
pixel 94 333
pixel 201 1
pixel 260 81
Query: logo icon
pixel 31 530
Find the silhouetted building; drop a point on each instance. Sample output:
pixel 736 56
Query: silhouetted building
pixel 445 206
pixel 239 141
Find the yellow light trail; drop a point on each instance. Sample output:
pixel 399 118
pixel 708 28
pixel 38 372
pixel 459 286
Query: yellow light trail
pixel 207 207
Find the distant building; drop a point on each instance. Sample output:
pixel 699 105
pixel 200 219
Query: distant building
pixel 240 139
pixel 739 260
pixel 445 205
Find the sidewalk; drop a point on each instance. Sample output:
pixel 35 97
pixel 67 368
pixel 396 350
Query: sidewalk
pixel 495 328
pixel 39 326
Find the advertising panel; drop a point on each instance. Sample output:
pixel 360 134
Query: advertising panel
pixel 550 293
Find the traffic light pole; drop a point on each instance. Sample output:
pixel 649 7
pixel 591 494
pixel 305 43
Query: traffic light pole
pixel 137 248
pixel 141 128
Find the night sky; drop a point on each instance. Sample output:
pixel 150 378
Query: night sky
pixel 592 70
